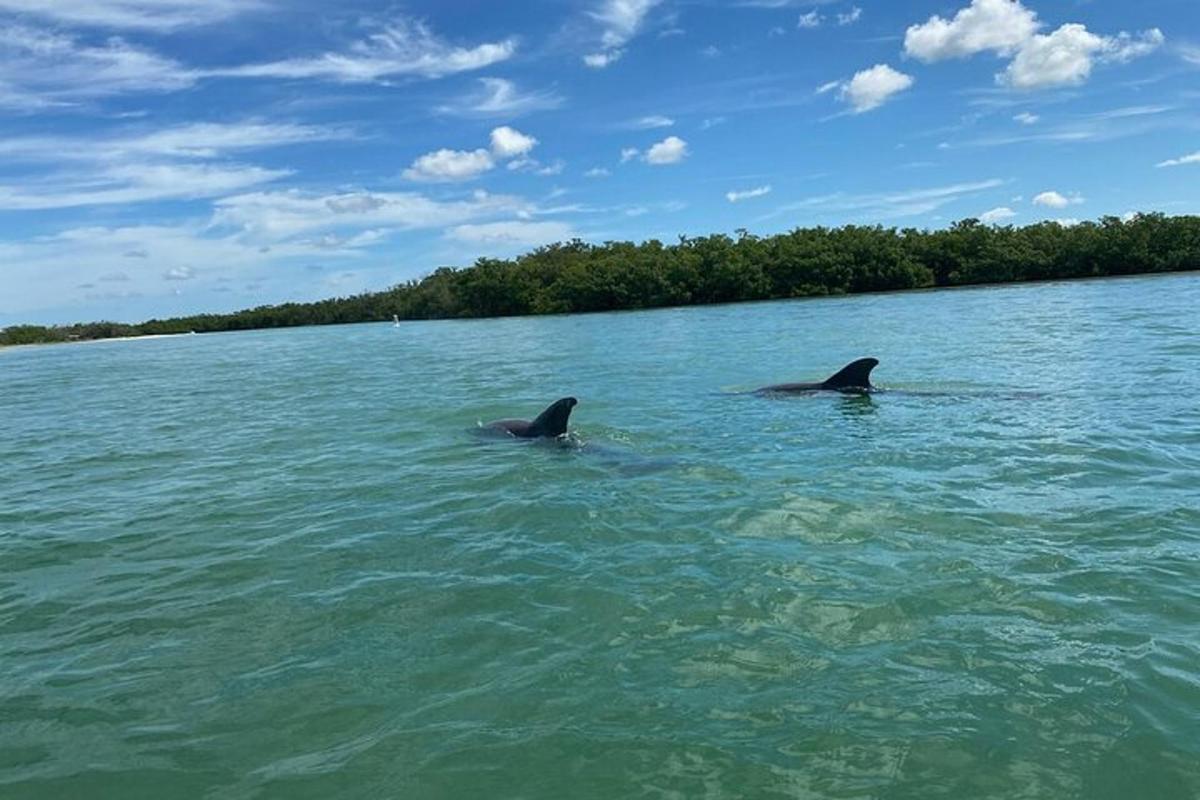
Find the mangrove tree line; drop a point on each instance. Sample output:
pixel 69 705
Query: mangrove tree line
pixel 576 276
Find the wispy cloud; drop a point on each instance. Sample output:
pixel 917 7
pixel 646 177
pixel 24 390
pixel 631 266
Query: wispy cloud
pixel 153 15
pixel 1192 158
pixel 887 205
pixel 404 47
pixel 198 140
pixel 138 166
pixel 747 194
pixel 648 123
pixel 131 183
pixel 500 97
pixel 57 68
pixel 619 22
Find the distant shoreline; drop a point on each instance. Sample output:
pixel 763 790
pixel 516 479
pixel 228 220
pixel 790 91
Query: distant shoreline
pixel 576 277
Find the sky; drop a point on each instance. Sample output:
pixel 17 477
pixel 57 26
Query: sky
pixel 167 157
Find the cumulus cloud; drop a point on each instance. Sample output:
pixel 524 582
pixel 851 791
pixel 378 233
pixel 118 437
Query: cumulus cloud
pixel 509 143
pixel 997 215
pixel 629 153
pixel 1000 26
pixel 449 166
pixel 873 87
pixel 1006 28
pixel 1054 199
pixel 747 194
pixel 1061 58
pixel 1026 118
pixel 809 20
pixel 670 150
pixel 1193 158
pixel 445 165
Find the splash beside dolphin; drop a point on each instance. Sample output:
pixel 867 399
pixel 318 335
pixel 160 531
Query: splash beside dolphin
pixel 549 424
pixel 853 378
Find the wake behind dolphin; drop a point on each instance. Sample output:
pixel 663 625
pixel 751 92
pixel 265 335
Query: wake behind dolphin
pixel 854 378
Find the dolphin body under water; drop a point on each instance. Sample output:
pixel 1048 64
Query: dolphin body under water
pixel 854 378
pixel 550 423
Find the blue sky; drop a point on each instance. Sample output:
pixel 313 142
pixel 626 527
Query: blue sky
pixel 161 157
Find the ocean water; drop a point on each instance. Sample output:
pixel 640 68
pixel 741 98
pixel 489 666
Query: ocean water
pixel 286 564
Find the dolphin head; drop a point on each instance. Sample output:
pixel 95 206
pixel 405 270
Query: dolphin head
pixel 553 421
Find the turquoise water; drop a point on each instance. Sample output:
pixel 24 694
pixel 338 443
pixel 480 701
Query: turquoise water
pixel 285 564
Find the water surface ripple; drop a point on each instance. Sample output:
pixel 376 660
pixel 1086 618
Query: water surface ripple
pixel 284 564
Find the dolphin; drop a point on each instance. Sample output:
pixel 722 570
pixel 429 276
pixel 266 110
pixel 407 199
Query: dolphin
pixel 854 378
pixel 549 424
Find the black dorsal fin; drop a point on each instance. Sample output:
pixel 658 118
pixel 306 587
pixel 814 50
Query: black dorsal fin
pixel 855 375
pixel 553 421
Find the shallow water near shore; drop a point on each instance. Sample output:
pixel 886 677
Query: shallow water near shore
pixel 285 564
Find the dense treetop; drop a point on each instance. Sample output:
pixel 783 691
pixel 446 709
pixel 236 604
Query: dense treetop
pixel 575 276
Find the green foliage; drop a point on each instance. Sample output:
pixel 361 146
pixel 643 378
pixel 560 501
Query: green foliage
pixel 577 277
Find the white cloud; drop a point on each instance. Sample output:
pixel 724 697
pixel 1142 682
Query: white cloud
pixel 198 140
pixel 747 194
pixel 135 183
pixel 154 15
pixel 404 47
pixel 997 215
pixel 825 88
pixel 1064 57
pixel 184 273
pixel 274 217
pixel 1026 118
pixel 850 17
pixel 1193 158
pixel 1125 47
pixel 670 150
pixel 51 68
pixel 872 87
pixel 621 20
pixel 443 166
pixel 650 122
pixel 603 59
pixel 884 205
pixel 1054 199
pixel 1001 26
pixel 499 97
pixel 597 172
pixel 509 143
pixel 629 153
pixel 1007 28
pixel 809 20
pixel 514 233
